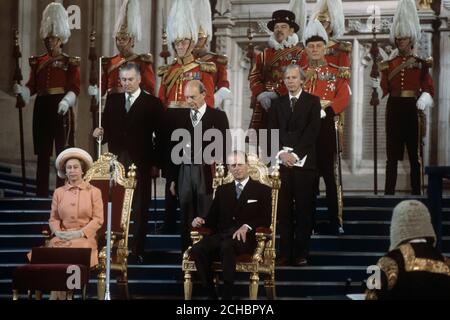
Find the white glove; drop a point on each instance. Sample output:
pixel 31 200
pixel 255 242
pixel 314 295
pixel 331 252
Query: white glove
pixel 323 114
pixel 220 96
pixel 68 101
pixel 63 106
pixel 265 99
pixel 425 101
pixel 69 235
pixel 375 83
pixel 93 91
pixel 23 91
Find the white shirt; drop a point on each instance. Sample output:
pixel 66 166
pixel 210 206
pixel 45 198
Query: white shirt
pixel 133 95
pixel 296 96
pixel 201 112
pixel 243 183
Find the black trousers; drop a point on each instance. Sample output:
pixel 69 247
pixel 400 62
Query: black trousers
pixel 401 131
pixel 295 223
pixel 219 247
pixel 194 199
pixel 50 128
pixel 170 205
pixel 141 201
pixel 326 158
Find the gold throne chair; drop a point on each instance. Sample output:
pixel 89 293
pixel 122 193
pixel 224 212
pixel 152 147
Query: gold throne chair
pixel 122 198
pixel 259 265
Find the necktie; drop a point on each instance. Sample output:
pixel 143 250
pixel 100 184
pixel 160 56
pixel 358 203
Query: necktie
pixel 238 190
pixel 293 102
pixel 195 117
pixel 128 102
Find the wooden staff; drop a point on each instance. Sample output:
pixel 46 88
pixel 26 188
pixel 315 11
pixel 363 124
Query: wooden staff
pixel 93 78
pixel 375 101
pixel 165 53
pixel 20 103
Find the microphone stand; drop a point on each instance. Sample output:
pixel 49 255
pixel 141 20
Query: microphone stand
pixel 108 228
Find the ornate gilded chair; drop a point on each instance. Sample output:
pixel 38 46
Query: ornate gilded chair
pixel 262 262
pixel 122 198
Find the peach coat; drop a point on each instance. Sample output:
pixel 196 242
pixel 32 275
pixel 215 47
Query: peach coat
pixel 75 208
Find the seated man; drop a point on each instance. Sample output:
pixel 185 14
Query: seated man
pixel 237 210
pixel 413 268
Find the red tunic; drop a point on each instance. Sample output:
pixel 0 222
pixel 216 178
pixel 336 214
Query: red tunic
pixel 267 73
pixel 408 81
pixel 175 77
pixel 111 67
pixel 56 75
pixel 328 84
pixel 221 75
pixel 337 55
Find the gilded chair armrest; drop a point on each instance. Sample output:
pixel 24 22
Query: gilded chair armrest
pixel 265 231
pixel 263 235
pixel 46 232
pixel 117 235
pixel 187 254
pixel 197 234
pixel 201 230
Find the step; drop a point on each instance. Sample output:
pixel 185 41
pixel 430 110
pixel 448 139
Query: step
pixel 172 242
pixel 8 176
pixel 174 288
pixel 5 169
pixel 40 213
pixel 14 185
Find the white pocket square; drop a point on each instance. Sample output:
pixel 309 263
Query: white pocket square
pixel 252 201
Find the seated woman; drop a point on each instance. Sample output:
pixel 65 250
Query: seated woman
pixel 77 207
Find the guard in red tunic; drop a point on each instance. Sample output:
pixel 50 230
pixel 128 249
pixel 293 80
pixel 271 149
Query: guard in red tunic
pixel 266 77
pixel 331 14
pixel 183 69
pixel 331 86
pixel 182 31
pixel 222 93
pixel 128 31
pixel 55 79
pixel 407 81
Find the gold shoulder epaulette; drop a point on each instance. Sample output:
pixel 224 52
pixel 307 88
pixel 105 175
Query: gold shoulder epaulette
pixel 383 65
pixel 344 72
pixel 106 60
pixel 345 46
pixel 162 70
pixel 33 60
pixel 222 59
pixel 390 268
pixel 75 61
pixel 209 67
pixel 427 62
pixel 147 58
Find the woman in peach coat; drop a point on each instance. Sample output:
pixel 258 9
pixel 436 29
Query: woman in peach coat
pixel 77 207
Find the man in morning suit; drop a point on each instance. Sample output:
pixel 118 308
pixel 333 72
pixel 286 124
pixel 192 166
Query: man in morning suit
pixel 297 117
pixel 238 209
pixel 193 176
pixel 130 120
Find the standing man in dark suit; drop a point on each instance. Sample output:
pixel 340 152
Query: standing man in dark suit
pixel 297 117
pixel 130 121
pixel 193 175
pixel 238 209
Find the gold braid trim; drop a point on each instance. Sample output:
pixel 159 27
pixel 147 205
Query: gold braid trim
pixel 412 263
pixel 390 268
